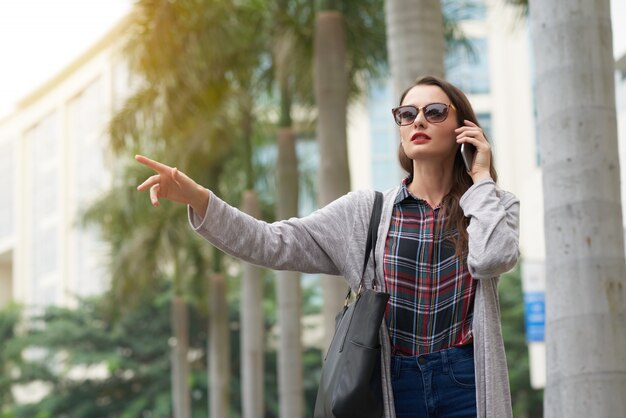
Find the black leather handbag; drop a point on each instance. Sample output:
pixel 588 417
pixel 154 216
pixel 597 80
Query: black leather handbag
pixel 350 384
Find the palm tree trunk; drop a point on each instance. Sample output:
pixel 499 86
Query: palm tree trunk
pixel 290 381
pixel 331 96
pixel 415 40
pixel 252 327
pixel 219 349
pixel 181 398
pixel 586 289
pixel 290 390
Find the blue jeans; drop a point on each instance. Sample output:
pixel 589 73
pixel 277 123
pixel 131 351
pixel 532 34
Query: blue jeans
pixel 435 385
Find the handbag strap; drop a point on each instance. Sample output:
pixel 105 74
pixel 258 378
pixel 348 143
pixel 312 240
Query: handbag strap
pixel 372 234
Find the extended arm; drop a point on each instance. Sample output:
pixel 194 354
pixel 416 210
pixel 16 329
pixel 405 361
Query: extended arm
pixel 314 244
pixel 317 243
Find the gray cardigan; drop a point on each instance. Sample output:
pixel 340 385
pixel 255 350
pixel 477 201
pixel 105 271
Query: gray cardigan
pixel 332 241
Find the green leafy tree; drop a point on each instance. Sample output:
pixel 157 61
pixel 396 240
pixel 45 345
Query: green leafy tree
pixel 9 320
pixel 527 402
pixel 187 110
pixel 98 366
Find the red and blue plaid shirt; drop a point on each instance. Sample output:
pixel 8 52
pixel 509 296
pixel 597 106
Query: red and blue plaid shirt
pixel 431 300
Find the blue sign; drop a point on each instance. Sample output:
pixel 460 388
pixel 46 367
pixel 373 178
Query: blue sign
pixel 535 316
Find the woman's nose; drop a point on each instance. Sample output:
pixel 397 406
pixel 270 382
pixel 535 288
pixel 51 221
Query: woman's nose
pixel 420 120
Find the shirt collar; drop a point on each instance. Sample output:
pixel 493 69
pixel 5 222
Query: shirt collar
pixel 404 193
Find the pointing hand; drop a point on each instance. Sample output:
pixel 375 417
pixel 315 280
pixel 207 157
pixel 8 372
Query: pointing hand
pixel 172 184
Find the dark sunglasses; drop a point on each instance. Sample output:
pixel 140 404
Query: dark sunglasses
pixel 433 113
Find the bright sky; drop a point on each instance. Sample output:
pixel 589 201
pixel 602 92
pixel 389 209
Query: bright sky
pixel 38 38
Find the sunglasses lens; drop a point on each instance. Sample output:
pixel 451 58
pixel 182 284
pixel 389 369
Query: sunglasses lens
pixel 436 112
pixel 405 115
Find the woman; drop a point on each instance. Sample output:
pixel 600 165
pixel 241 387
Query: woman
pixel 450 232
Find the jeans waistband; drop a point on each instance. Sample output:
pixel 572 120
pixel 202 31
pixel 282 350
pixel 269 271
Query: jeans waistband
pixel 442 358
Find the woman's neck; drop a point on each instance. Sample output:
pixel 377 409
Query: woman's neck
pixel 431 182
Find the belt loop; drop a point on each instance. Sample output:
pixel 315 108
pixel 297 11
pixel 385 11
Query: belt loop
pixel 444 360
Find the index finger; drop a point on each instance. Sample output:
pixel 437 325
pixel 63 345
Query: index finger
pixel 469 123
pixel 155 165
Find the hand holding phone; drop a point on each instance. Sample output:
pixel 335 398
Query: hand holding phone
pixel 467 152
pixel 475 150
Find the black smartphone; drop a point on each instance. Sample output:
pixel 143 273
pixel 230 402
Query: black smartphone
pixel 467 152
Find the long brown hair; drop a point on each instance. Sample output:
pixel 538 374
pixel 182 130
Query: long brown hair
pixel 460 177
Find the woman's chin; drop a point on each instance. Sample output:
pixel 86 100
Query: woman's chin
pixel 421 154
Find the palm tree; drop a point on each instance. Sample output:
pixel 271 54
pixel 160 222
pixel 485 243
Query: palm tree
pixel 415 40
pixel 292 79
pixel 419 33
pixel 522 4
pixel 218 349
pixel 585 292
pixel 181 111
pixel 117 213
pixel 186 99
pixel 252 323
pixel 348 40
pixel 288 283
pixel 331 96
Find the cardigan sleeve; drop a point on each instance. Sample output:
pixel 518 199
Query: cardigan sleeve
pixel 316 243
pixel 493 229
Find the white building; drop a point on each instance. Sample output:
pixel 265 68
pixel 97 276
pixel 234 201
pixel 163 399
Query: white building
pixel 53 162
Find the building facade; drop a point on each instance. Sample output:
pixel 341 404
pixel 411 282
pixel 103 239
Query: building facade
pixel 54 161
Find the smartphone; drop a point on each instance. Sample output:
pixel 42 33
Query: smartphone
pixel 467 152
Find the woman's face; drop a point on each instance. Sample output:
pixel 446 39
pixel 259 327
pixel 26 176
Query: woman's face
pixel 424 140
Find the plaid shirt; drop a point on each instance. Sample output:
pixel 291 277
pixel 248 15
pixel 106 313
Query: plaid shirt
pixel 432 292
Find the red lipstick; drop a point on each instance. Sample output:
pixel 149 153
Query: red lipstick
pixel 420 138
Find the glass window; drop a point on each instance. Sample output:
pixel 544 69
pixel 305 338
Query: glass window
pixel 90 273
pixel 43 140
pixel 386 171
pixel 484 118
pixel 7 179
pixel 86 135
pixel 86 127
pixel 121 84
pixel 307 151
pixel 456 10
pixel 468 69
